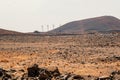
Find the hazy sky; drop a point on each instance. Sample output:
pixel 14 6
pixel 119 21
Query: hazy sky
pixel 29 15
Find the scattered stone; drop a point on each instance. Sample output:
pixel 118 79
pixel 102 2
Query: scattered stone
pixel 54 71
pixel 75 77
pixel 6 77
pixel 116 57
pixel 24 76
pixel 21 70
pixel 69 77
pixel 115 75
pixel 12 70
pixel 104 78
pixel 50 73
pixel 63 77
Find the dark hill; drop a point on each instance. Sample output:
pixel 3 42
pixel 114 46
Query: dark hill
pixel 104 23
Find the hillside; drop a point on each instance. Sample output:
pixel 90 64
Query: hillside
pixel 3 31
pixel 104 23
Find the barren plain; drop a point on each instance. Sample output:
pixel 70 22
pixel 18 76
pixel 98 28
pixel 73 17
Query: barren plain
pixel 85 55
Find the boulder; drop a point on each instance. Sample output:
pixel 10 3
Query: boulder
pixel 1 72
pixel 44 74
pixel 33 71
pixel 36 72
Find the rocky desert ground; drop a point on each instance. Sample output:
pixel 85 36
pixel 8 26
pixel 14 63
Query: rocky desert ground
pixel 92 56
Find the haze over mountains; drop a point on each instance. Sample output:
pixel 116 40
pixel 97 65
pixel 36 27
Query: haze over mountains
pixel 98 24
pixel 104 23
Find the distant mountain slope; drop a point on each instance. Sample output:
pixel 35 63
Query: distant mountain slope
pixel 3 31
pixel 104 23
